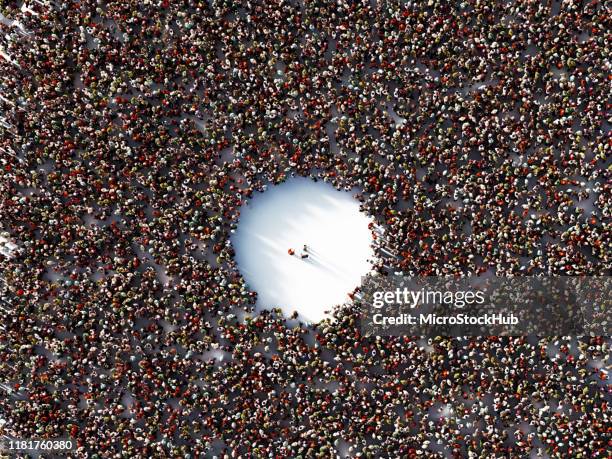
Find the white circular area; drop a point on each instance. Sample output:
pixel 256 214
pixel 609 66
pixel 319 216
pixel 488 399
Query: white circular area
pixel 288 216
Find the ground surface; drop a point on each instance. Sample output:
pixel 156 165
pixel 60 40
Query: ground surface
pixel 290 215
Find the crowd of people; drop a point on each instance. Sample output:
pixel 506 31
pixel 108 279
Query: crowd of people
pixel 476 132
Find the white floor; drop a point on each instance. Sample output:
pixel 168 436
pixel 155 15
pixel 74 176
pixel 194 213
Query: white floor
pixel 297 212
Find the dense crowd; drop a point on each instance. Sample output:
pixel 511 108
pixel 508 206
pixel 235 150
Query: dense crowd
pixel 477 133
